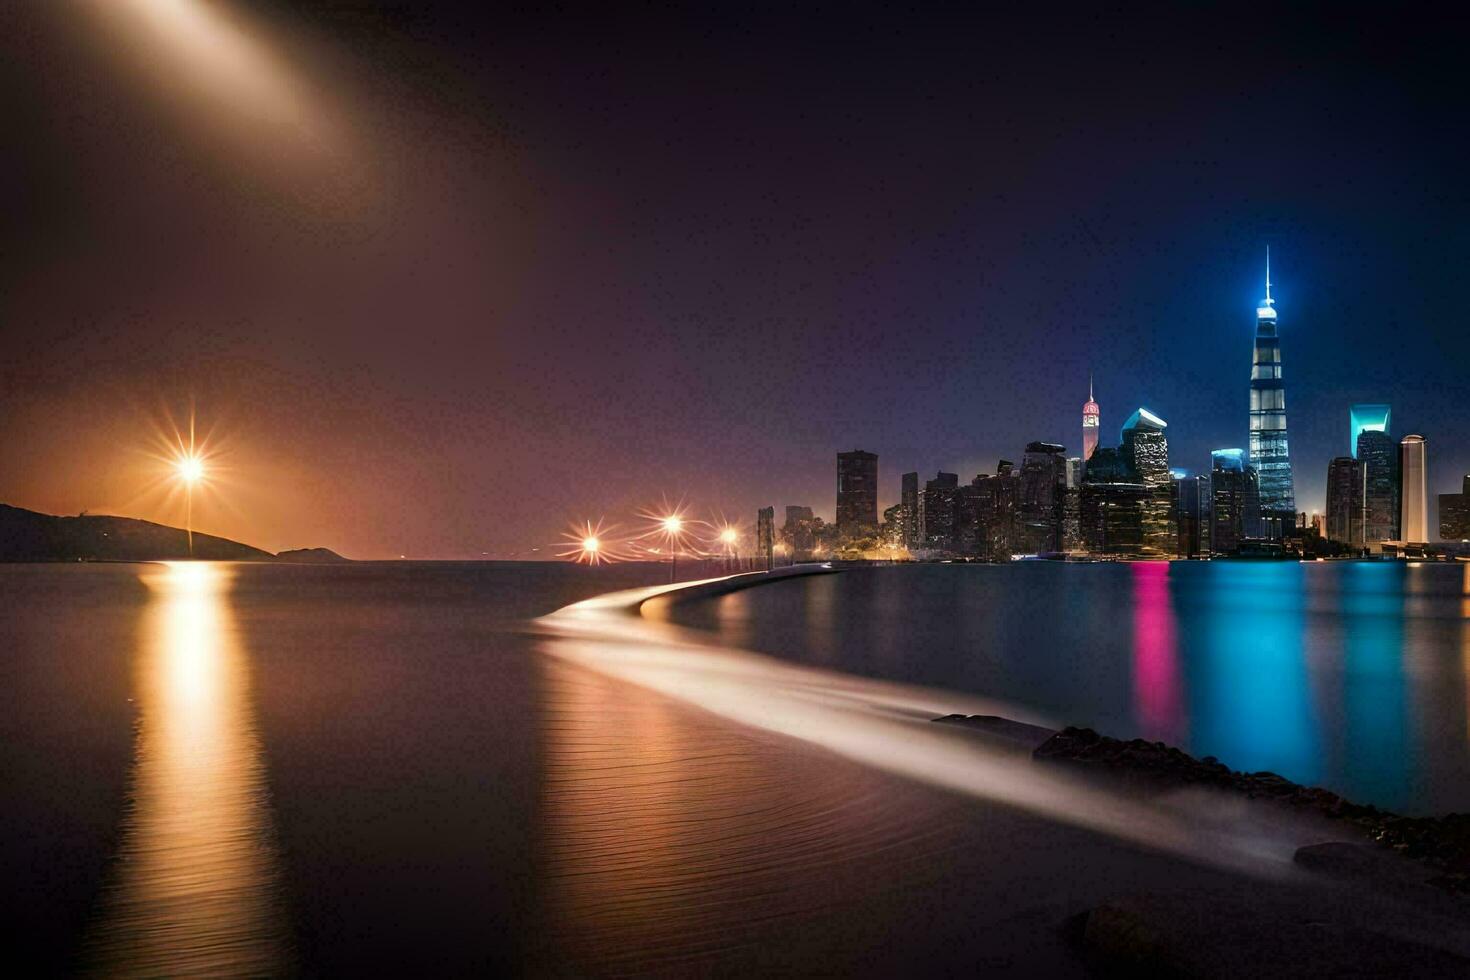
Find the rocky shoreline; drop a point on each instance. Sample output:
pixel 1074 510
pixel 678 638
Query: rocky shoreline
pixel 1441 843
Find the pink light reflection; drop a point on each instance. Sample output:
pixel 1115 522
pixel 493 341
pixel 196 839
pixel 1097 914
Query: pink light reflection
pixel 1156 683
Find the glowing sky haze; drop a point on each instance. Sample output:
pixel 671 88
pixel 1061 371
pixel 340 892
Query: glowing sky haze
pixel 442 280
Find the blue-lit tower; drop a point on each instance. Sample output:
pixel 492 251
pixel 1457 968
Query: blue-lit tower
pixel 1268 452
pixel 1366 418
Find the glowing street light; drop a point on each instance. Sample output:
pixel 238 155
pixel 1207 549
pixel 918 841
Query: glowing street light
pixel 190 469
pixel 589 544
pixel 729 538
pixel 673 529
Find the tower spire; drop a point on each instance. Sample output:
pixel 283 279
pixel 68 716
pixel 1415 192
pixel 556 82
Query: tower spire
pixel 1089 386
pixel 1268 276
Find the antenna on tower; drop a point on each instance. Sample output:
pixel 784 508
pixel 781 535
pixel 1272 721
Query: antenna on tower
pixel 1268 275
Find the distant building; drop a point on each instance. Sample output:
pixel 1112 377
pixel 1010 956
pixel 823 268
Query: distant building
pixel 1111 506
pixel 1043 477
pixel 1091 420
pixel 1454 514
pixel 1268 444
pixel 1235 501
pixel 799 533
pixel 986 515
pixel 1072 518
pixel 1005 491
pixel 857 494
pixel 1345 502
pixel 1379 455
pixel 891 531
pixel 909 500
pixel 1146 448
pixel 765 536
pixel 938 510
pixel 1193 507
pixel 1366 418
pixel 974 511
pixel 1414 518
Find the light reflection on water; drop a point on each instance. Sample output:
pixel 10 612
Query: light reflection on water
pixel 1253 703
pixel 1156 683
pixel 1352 675
pixel 195 883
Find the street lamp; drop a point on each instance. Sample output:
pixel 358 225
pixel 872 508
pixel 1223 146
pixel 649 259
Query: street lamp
pixel 729 537
pixel 189 469
pixel 673 527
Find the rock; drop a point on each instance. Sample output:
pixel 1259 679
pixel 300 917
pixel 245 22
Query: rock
pixel 1018 732
pixel 1443 843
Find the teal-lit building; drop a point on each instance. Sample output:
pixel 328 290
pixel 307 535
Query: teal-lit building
pixel 1366 418
pixel 1375 448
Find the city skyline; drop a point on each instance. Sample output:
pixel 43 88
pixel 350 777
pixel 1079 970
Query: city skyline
pixel 402 299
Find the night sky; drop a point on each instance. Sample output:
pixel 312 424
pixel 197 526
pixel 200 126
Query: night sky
pixel 440 279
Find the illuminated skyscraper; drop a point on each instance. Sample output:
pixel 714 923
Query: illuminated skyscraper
pixel 1415 520
pixel 1268 452
pixel 1091 419
pixel 1366 418
pixel 1378 452
pixel 1145 445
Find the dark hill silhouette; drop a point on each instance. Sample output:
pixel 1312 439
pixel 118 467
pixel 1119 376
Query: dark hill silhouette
pixel 311 556
pixel 28 536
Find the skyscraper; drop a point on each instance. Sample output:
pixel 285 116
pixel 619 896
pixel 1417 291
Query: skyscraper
pixel 765 536
pixel 1366 418
pixel 1345 501
pixel 857 494
pixel 1043 478
pixel 1193 508
pixel 1091 419
pixel 1146 448
pixel 1377 451
pixel 1112 505
pixel 1268 452
pixel 938 510
pixel 1414 522
pixel 1234 501
pixel 1454 514
pixel 908 499
pixel 799 533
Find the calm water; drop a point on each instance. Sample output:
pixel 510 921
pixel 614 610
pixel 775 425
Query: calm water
pixel 1351 675
pixel 242 769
